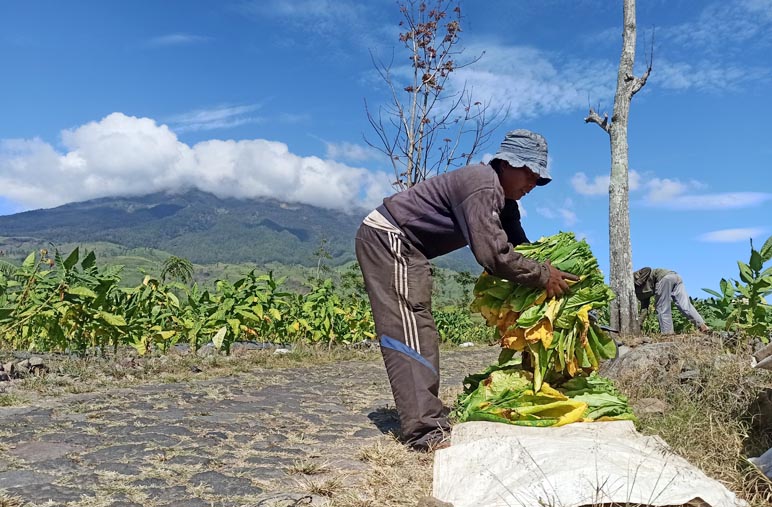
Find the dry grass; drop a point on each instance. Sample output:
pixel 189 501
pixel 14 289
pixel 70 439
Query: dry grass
pixel 80 375
pixel 710 420
pixel 308 467
pixel 396 477
pixel 10 501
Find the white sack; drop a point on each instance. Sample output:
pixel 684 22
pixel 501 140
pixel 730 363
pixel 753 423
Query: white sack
pixel 500 465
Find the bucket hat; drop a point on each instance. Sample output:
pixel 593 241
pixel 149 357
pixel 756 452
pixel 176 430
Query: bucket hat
pixel 525 148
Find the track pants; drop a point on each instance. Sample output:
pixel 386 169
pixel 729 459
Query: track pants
pixel 672 286
pixel 399 285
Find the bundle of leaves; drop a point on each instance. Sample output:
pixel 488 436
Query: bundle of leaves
pixel 505 392
pixel 558 336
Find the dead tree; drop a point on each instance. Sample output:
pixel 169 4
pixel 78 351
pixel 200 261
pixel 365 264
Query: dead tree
pixel 624 309
pixel 424 128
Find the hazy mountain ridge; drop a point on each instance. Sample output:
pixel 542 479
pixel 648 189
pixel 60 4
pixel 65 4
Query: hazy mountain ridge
pixel 203 228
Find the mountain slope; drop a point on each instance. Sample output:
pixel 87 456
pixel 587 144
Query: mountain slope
pixel 202 228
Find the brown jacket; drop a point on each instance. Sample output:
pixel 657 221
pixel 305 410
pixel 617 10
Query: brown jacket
pixel 464 207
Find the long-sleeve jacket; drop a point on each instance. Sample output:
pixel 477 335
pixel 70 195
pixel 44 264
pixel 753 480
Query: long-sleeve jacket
pixel 466 207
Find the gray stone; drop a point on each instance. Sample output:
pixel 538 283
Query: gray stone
pixel 167 494
pixel 120 468
pixel 118 453
pixel 49 494
pixel 151 482
pixel 651 406
pixel 270 460
pixel 41 451
pixel 188 459
pixel 190 502
pixel 367 433
pixel 650 362
pixel 21 478
pixel 222 484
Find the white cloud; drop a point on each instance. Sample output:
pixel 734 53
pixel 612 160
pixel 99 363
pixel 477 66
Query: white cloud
pixel 533 82
pixel 732 235
pixel 725 25
pixel 565 213
pixel 350 151
pixel 710 76
pixel 707 53
pixel 176 39
pixel 333 22
pixel 124 155
pixel 665 190
pixel 214 118
pixel 718 201
pixel 598 186
pixel 671 193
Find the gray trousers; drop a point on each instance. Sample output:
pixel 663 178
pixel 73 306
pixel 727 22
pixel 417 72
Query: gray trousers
pixel 399 284
pixel 672 287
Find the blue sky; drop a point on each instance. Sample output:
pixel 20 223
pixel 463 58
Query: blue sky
pixel 266 98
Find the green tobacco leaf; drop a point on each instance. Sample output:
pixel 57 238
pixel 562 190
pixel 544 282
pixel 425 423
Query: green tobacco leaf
pixel 218 338
pixel 29 262
pixel 756 261
pixel 111 318
pixel 746 275
pixel 726 288
pixel 766 250
pixel 89 261
pixel 82 291
pixel 71 259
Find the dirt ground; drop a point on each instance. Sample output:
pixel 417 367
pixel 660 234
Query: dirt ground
pixel 320 434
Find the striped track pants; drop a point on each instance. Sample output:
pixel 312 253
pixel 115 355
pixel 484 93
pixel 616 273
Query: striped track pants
pixel 399 285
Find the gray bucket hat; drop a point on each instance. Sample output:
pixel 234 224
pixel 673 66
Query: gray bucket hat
pixel 525 148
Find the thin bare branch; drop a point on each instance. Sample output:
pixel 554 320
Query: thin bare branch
pixel 428 121
pixel 594 117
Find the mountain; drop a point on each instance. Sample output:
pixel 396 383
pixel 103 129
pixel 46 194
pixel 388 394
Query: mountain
pixel 200 227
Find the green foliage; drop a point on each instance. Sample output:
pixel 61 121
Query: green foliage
pixel 177 268
pixel 458 325
pixel 71 304
pixel 58 304
pixel 741 305
pixel 681 324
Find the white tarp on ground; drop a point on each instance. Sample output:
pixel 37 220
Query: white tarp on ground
pixel 500 465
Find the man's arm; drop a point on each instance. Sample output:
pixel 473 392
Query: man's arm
pixel 480 223
pixel 644 309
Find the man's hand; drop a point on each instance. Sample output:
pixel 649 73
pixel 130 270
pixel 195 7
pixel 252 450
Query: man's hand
pixel 556 285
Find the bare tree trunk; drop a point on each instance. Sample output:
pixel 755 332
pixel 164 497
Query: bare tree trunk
pixel 624 309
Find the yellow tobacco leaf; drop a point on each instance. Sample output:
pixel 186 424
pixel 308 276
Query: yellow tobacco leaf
pixel 583 316
pixel 505 321
pixel 541 331
pixel 547 390
pixel 574 415
pixel 572 366
pixel 514 339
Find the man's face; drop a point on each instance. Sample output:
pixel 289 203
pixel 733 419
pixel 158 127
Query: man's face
pixel 517 181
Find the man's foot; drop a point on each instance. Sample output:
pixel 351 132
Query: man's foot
pixel 432 441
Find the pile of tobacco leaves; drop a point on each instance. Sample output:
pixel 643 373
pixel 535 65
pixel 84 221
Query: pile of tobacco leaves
pixel 554 381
